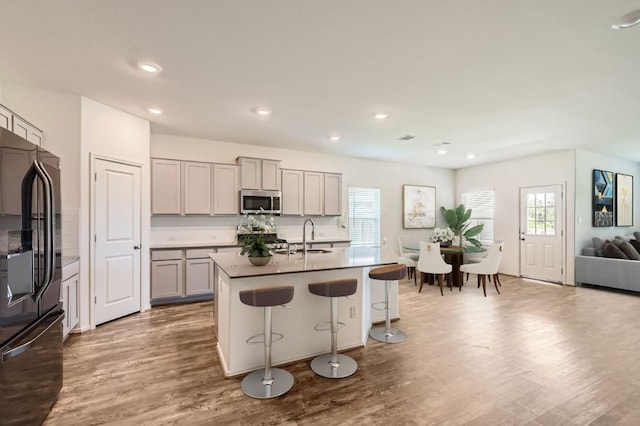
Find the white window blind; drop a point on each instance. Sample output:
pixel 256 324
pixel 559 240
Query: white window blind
pixel 364 217
pixel 481 205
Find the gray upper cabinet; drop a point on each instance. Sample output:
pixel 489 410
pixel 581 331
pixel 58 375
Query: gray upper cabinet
pixel 20 126
pixel 166 186
pixel 5 118
pixel 257 173
pixel 314 193
pixel 197 187
pixel 332 194
pixel 225 189
pixel 292 192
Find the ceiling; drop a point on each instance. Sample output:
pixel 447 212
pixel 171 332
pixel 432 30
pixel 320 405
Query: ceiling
pixel 498 78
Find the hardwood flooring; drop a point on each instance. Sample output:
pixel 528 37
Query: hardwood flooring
pixel 536 355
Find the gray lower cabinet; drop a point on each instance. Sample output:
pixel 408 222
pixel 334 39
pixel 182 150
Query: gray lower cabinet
pixel 69 293
pixel 166 279
pixel 179 275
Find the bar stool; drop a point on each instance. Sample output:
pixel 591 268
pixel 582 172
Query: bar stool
pixel 267 382
pixel 389 273
pixel 333 365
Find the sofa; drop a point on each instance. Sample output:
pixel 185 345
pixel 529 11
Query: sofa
pixel 594 268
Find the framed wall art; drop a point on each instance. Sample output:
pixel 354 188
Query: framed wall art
pixel 419 206
pixel 603 207
pixel 624 200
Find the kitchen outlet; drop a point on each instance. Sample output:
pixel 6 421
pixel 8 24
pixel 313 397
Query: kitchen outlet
pixel 352 312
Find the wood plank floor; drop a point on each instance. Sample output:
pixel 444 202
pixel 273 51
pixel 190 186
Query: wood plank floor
pixel 536 355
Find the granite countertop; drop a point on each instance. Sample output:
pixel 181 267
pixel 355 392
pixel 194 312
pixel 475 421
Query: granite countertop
pixel 236 266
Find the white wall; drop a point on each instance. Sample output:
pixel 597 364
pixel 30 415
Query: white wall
pixel 585 163
pixel 387 176
pixel 114 134
pixel 506 178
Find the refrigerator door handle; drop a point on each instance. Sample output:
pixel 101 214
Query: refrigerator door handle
pixel 49 258
pixel 6 356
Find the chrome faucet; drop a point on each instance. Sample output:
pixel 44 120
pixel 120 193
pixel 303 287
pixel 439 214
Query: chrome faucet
pixel 304 235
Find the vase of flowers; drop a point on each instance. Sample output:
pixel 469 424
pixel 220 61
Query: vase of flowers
pixel 251 234
pixel 442 235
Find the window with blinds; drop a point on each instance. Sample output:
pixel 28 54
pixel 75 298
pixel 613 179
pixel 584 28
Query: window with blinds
pixel 364 217
pixel 481 205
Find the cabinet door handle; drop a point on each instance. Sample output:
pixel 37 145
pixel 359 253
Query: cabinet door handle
pixel 137 247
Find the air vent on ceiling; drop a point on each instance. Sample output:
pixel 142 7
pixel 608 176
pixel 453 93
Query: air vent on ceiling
pixel 406 138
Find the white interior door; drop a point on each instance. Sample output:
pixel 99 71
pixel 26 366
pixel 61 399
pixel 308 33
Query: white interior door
pixel 117 240
pixel 541 233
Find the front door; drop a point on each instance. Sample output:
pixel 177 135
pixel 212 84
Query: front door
pixel 541 233
pixel 117 240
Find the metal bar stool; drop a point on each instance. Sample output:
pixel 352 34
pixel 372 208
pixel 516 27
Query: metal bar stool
pixel 389 273
pixel 333 365
pixel 267 382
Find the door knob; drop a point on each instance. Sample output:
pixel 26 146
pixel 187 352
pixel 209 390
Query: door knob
pixel 521 239
pixel 137 247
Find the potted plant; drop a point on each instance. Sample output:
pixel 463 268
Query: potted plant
pixel 458 221
pixel 252 237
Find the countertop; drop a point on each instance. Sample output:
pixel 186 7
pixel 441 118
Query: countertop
pixel 68 259
pixel 236 266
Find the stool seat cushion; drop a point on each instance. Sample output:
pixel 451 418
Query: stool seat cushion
pixel 391 272
pixel 269 296
pixel 334 288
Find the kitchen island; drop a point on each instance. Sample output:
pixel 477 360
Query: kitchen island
pixel 236 322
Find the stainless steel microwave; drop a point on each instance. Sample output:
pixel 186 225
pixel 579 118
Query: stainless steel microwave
pixel 254 202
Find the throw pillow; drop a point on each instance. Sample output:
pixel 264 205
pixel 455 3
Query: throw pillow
pixel 637 235
pixel 611 250
pixel 635 244
pixel 629 250
pixel 598 245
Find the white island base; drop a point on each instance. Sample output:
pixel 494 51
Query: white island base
pixel 236 322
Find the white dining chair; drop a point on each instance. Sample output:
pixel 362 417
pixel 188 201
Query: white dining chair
pixel 487 268
pixel 407 258
pixel 431 262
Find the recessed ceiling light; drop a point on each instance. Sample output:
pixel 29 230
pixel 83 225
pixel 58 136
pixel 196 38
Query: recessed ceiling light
pixel 156 111
pixel 471 156
pixel 442 151
pixel 263 111
pixel 334 138
pixel 628 20
pixel 381 115
pixel 149 67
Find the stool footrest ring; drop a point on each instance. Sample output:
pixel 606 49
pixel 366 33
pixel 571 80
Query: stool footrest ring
pixel 326 326
pixel 254 339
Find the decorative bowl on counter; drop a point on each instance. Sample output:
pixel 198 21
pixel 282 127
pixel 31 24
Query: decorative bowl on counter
pixel 259 260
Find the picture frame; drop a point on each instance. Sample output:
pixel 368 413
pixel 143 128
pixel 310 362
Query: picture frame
pixel 418 207
pixel 603 202
pixel 624 200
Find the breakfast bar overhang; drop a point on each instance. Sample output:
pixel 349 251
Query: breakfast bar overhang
pixel 236 322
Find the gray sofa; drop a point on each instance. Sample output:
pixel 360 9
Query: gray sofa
pixel 602 271
pixel 592 269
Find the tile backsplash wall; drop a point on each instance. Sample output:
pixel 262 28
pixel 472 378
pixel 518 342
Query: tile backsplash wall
pixel 70 232
pixel 220 230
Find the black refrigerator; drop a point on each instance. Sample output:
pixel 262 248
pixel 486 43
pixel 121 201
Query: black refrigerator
pixel 30 275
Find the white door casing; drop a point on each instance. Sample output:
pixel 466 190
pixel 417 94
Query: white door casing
pixel 117 228
pixel 542 233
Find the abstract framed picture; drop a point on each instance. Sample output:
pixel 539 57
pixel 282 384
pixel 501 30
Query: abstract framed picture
pixel 624 200
pixel 603 207
pixel 419 206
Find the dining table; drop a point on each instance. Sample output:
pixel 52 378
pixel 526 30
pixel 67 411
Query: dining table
pixel 453 255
